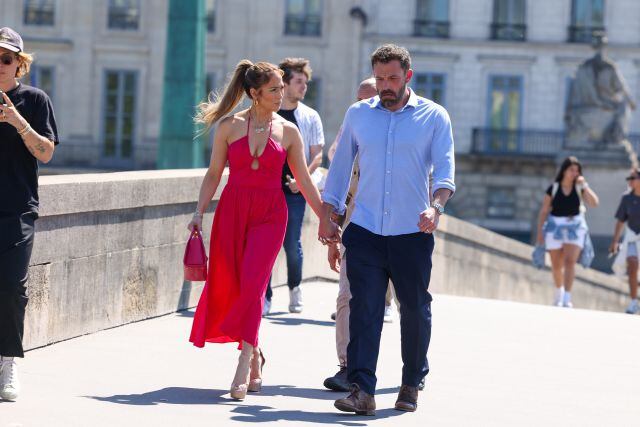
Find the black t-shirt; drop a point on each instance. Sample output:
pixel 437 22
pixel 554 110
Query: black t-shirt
pixel 629 211
pixel 18 167
pixel 286 170
pixel 562 205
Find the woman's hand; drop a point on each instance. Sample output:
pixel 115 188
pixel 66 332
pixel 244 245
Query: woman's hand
pixel 540 240
pixel 613 248
pixel 328 232
pixel 195 223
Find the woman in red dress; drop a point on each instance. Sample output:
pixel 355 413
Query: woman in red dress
pixel 251 216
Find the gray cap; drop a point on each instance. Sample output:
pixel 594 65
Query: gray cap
pixel 11 40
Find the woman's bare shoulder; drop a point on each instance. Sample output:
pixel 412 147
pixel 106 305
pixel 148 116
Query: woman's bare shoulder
pixel 234 126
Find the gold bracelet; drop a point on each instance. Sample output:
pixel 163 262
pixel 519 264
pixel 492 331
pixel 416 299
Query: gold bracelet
pixel 25 130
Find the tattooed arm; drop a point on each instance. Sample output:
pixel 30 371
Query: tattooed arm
pixel 40 147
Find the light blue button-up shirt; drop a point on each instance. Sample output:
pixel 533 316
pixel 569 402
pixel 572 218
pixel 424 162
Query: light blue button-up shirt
pixel 397 150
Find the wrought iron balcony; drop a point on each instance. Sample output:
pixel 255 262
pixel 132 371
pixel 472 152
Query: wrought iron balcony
pixel 507 31
pixel 544 144
pixel 583 34
pixel 429 28
pixel 517 142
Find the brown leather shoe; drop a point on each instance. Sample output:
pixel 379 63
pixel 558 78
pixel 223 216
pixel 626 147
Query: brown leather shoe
pixel 407 398
pixel 358 401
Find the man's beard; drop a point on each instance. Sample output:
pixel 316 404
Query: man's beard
pixel 397 97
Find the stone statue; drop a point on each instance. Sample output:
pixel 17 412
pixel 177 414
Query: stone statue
pixel 599 101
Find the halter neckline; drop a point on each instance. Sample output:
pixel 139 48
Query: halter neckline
pixel 249 124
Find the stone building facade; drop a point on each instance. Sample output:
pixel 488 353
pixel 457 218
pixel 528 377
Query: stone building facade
pixel 500 67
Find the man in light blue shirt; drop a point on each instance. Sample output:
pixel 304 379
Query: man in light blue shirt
pixel 399 138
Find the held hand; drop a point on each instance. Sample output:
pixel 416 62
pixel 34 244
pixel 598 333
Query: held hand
pixel 333 254
pixel 292 184
pixel 9 114
pixel 195 223
pixel 428 221
pixel 328 232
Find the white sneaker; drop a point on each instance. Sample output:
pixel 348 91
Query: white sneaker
pixel 295 300
pixel 558 296
pixel 266 308
pixel 9 384
pixel 388 313
pixel 633 307
pixel 567 304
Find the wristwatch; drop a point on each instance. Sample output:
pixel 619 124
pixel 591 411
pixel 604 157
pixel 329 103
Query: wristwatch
pixel 437 206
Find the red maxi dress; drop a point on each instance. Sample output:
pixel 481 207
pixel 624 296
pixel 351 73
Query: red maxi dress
pixel 248 230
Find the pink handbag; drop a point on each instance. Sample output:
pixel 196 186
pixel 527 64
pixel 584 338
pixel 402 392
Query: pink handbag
pixel 195 258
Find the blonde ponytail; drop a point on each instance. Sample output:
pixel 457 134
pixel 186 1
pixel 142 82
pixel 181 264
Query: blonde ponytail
pixel 210 112
pixel 246 76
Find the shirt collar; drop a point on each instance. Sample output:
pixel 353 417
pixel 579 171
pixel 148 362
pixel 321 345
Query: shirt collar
pixel 412 102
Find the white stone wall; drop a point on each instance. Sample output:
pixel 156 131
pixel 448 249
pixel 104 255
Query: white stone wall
pixel 81 48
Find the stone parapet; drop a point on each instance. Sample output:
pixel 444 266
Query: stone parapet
pixel 108 251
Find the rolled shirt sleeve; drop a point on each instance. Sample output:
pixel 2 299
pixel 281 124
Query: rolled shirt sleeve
pixel 318 131
pixel 337 185
pixel 442 154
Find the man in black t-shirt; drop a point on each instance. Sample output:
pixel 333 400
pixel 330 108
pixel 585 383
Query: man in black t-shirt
pixel 296 75
pixel 27 134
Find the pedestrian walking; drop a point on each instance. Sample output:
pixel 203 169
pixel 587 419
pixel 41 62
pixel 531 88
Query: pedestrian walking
pixel 28 134
pixel 251 216
pixel 398 137
pixel 628 226
pixel 296 75
pixel 562 228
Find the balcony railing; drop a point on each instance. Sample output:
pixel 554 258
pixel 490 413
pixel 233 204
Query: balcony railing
pixel 513 32
pixel 303 25
pixel 429 28
pixel 583 34
pixel 541 143
pixel 517 142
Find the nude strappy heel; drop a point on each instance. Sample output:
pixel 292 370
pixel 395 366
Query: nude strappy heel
pixel 240 383
pixel 255 379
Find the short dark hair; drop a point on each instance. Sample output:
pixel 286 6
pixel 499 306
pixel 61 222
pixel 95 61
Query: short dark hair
pixel 291 65
pixel 566 164
pixel 391 52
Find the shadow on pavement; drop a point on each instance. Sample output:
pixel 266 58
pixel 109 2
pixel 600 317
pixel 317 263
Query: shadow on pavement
pixel 200 396
pixel 265 414
pixel 313 393
pixel 171 395
pixel 296 321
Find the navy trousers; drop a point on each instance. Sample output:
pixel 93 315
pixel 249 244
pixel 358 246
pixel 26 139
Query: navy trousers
pixel 373 260
pixel 16 243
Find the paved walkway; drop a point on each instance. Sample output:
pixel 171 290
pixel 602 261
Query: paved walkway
pixel 493 364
